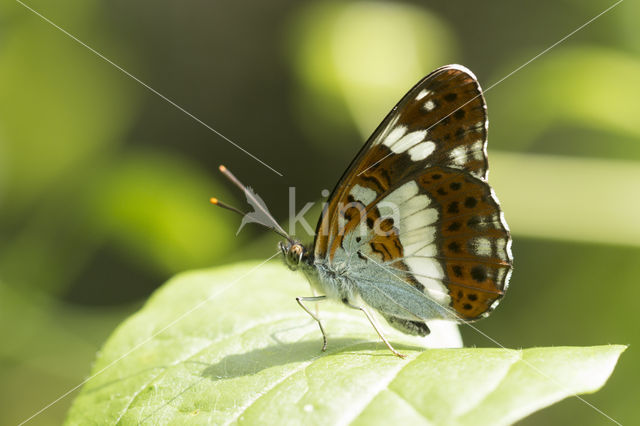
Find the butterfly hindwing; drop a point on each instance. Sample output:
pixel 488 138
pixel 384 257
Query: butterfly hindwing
pixel 415 201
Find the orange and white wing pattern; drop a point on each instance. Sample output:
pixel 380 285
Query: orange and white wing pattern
pixel 416 202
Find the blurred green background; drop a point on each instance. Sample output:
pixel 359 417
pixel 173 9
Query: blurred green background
pixel 104 185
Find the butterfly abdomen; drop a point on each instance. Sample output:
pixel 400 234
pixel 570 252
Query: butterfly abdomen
pixel 415 328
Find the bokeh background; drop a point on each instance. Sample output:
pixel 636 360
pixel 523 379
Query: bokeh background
pixel 104 185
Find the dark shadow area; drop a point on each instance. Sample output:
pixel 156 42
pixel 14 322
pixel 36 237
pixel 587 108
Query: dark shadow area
pixel 256 360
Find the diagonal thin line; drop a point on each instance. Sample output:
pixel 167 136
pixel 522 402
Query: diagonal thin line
pixel 260 161
pixel 391 153
pixel 510 74
pixel 554 45
pixel 151 89
pixel 171 324
pixel 527 363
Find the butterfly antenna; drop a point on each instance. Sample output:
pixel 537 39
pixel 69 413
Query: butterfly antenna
pixel 255 202
pixel 219 203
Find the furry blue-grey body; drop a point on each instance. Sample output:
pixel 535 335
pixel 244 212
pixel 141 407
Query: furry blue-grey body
pixel 336 284
pixel 353 279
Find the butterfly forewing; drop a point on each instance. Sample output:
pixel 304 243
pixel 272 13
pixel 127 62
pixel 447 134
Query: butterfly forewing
pixel 446 235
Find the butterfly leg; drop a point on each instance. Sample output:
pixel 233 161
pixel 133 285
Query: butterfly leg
pixel 314 294
pixel 315 317
pixel 375 327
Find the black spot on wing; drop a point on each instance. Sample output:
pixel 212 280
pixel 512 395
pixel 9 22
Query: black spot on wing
pixel 457 270
pixel 470 202
pixel 450 97
pixel 474 221
pixel 454 246
pixel 454 226
pixel 479 273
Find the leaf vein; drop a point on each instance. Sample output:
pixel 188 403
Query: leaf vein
pixel 234 334
pixel 383 384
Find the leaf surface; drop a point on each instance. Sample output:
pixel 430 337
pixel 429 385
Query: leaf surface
pixel 231 345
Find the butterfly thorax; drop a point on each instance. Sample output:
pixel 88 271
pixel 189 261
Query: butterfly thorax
pixel 329 281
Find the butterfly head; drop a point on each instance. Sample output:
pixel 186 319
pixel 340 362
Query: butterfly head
pixel 295 254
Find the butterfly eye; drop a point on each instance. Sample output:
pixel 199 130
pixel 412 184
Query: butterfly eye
pixel 297 252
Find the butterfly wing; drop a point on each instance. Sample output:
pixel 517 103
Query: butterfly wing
pixel 414 210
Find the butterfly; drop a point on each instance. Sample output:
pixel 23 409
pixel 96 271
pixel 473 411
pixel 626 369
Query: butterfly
pixel 412 230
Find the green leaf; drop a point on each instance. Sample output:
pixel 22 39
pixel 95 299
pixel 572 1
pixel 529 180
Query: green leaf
pixel 231 345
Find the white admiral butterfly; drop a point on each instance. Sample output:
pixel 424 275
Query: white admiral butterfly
pixel 412 229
